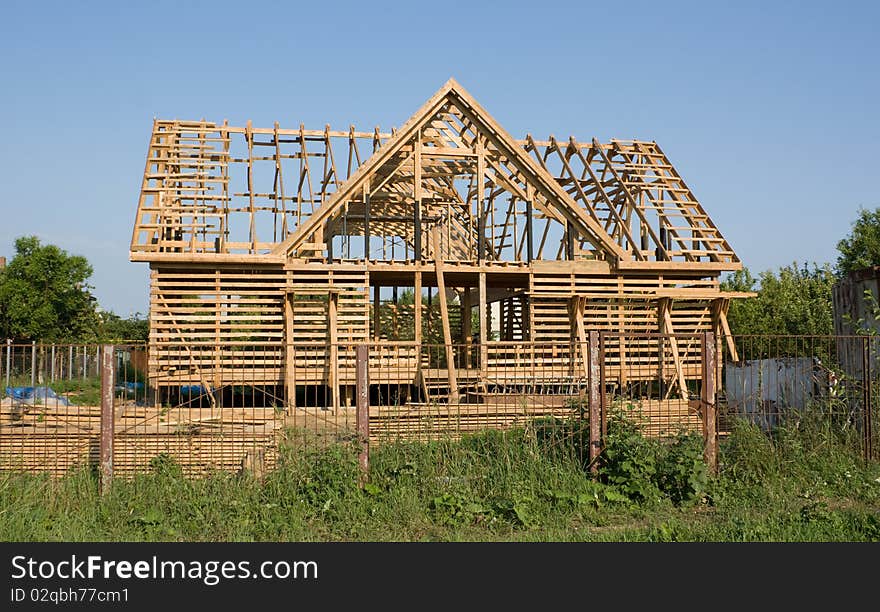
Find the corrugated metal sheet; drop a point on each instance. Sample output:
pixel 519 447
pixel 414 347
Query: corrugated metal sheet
pixel 764 390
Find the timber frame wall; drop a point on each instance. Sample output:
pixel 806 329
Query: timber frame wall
pixel 263 242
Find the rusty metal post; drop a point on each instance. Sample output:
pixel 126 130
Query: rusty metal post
pixel 107 425
pixel 709 408
pixel 362 357
pixel 595 402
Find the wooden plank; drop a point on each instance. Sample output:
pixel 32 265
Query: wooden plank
pixel 663 306
pixel 444 314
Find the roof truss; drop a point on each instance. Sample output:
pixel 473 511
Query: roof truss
pixel 217 192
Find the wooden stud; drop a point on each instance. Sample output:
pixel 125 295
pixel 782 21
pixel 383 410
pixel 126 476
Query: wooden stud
pixel 451 365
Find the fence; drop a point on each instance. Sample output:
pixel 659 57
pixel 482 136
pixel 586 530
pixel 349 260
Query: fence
pixel 805 381
pixel 123 412
pixel 112 419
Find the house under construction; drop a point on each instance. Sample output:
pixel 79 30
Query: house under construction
pixel 459 253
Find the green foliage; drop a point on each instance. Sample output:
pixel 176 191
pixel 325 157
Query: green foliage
pixel 44 295
pixel 113 328
pixel 803 483
pixel 630 459
pixel 682 473
pixel 861 248
pixel 80 392
pixel 795 300
pixel 651 470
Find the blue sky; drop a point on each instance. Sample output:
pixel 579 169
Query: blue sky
pixel 769 110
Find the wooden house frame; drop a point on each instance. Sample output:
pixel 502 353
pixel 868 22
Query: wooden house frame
pixel 274 250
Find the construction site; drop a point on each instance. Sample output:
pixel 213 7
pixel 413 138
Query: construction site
pixel 458 278
pixel 473 264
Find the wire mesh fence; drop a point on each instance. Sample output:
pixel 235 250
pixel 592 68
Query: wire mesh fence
pixel 234 411
pixel 828 384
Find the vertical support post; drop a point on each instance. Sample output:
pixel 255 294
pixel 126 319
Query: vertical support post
pixel 578 305
pixel 417 325
pixel 52 366
pixel 595 402
pixel 466 331
pixel 481 219
pixel 289 354
pixel 33 363
pixel 329 244
pixel 70 362
pixel 362 382
pixel 85 355
pixel 417 314
pixel 569 241
pixel 484 333
pixel 709 408
pixel 530 191
pixel 377 306
pixel 366 193
pixel 602 395
pixel 107 424
pixel 333 375
pixel 444 316
pixel 417 199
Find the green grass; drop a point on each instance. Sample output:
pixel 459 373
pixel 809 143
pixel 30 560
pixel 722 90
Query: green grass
pixel 803 483
pixel 79 391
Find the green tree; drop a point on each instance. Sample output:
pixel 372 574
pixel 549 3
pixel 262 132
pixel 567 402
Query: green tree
pixel 116 329
pixel 44 295
pixel 796 300
pixel 861 248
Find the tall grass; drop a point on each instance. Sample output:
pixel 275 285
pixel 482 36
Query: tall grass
pixel 801 483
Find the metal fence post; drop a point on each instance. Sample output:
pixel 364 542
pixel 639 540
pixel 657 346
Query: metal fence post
pixel 362 357
pixel 709 408
pixel 107 425
pixel 85 355
pixel 595 402
pixel 603 403
pixel 33 363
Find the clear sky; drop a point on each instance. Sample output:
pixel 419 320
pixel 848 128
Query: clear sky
pixel 769 110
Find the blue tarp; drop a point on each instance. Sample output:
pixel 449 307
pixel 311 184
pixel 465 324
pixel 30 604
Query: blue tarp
pixel 193 390
pixel 35 395
pixel 130 387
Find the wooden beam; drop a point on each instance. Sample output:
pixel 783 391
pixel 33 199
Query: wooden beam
pixel 377 303
pixel 417 314
pixel 722 327
pixel 466 331
pixel 417 199
pixel 664 306
pixel 289 354
pixel 444 315
pixel 333 374
pixel 579 304
pixel 366 196
pixel 484 335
